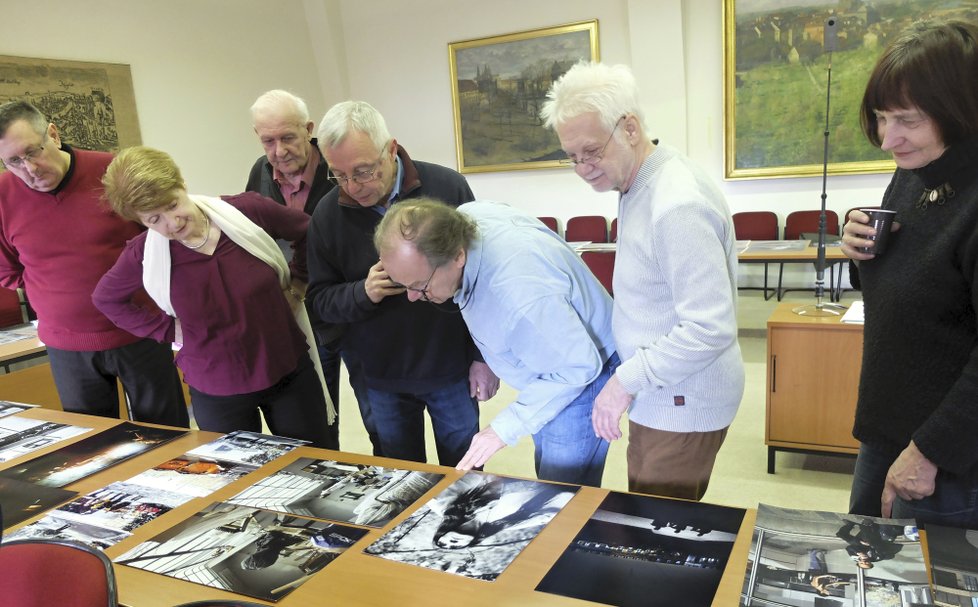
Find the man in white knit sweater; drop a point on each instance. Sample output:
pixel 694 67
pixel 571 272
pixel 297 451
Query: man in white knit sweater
pixel 675 284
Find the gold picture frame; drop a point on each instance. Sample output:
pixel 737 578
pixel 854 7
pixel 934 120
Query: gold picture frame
pixel 775 75
pixel 499 84
pixel 92 104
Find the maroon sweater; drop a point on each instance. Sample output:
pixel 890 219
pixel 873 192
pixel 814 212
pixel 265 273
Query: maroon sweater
pixel 57 245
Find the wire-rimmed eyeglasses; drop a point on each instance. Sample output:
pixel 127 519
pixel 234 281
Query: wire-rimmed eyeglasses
pixel 593 158
pixel 358 177
pixel 18 162
pixel 423 291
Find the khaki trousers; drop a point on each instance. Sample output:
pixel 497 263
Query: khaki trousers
pixel 671 464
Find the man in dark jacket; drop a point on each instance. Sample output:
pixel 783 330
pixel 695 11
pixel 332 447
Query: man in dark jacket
pixel 293 173
pixel 414 357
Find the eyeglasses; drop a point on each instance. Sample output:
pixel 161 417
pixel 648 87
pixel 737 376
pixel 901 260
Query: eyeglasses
pixel 592 159
pixel 360 177
pixel 17 162
pixel 423 291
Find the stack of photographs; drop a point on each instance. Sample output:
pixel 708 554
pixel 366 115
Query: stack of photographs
pixel 646 551
pixel 476 527
pixel 109 515
pixel 954 565
pixel 352 493
pixel 806 558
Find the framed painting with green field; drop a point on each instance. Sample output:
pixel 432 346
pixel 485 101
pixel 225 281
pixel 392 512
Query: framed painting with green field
pixel 776 74
pixel 498 86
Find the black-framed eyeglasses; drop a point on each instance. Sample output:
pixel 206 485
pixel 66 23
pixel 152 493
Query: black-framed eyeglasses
pixel 595 158
pixel 423 291
pixel 359 177
pixel 17 162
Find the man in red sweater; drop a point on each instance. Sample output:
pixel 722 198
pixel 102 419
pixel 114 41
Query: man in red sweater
pixel 57 239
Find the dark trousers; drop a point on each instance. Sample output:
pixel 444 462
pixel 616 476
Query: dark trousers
pixel 294 407
pixel 86 382
pixel 954 502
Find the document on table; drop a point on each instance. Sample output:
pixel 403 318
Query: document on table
pixel 854 315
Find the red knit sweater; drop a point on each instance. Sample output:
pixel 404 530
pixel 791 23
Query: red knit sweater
pixel 57 245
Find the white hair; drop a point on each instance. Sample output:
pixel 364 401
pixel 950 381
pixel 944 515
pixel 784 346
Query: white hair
pixel 280 103
pixel 352 115
pixel 608 90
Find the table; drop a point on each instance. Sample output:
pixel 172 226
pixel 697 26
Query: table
pixel 833 256
pixel 356 578
pixel 813 370
pixel 21 350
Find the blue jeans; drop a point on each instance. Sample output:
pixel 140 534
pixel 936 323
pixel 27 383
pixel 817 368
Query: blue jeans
pixel 398 418
pixel 954 501
pixel 567 449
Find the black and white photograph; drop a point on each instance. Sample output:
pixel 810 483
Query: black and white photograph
pixel 22 501
pixel 55 527
pixel 122 506
pixel 20 435
pixel 644 551
pixel 807 558
pixel 350 493
pixel 953 565
pixel 15 334
pixel 247 447
pixel 91 455
pixel 476 527
pixel 243 550
pixel 192 475
pixel 11 408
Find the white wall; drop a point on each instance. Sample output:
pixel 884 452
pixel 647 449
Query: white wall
pixel 197 66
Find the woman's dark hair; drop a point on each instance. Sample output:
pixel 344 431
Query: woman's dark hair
pixel 932 66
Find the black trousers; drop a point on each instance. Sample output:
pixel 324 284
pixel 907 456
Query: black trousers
pixel 86 382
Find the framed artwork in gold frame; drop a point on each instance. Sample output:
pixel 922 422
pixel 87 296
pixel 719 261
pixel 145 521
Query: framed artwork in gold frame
pixel 92 104
pixel 499 84
pixel 775 78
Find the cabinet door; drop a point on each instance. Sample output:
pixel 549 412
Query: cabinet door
pixel 813 376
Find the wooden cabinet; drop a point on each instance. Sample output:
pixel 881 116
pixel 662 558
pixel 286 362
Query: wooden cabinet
pixel 812 381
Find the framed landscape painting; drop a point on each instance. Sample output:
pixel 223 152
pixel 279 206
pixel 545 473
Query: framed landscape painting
pixel 776 67
pixel 498 86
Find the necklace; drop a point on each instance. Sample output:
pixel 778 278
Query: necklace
pixel 938 195
pixel 207 235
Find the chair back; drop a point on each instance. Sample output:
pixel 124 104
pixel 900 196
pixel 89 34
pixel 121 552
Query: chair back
pixel 798 222
pixel 10 311
pixel 593 228
pixel 756 225
pixel 613 232
pixel 551 222
pixel 602 265
pixel 42 573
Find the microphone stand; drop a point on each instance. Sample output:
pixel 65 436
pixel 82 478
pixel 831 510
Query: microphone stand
pixel 820 308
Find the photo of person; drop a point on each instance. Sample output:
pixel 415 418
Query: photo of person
pixel 476 527
pixel 122 506
pixel 243 550
pixel 809 558
pixel 351 493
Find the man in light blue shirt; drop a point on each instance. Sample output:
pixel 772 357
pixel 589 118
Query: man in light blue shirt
pixel 538 315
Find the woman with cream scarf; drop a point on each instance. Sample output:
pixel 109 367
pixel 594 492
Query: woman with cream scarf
pixel 225 297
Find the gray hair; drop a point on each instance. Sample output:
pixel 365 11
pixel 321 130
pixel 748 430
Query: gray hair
pixel 278 102
pixel 352 115
pixel 12 111
pixel 437 230
pixel 609 90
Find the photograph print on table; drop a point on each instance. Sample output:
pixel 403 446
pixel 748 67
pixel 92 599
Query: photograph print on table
pixel 21 435
pixel 350 493
pixel 247 447
pixel 807 558
pixel 122 506
pixel 192 475
pixel 639 550
pixel 243 550
pixel 54 527
pixel 11 408
pixel 90 455
pixel 476 527
pixel 954 565
pixel 22 501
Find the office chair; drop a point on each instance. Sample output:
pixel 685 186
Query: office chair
pixel 586 228
pixel 42 573
pixel 602 265
pixel 799 222
pixel 757 225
